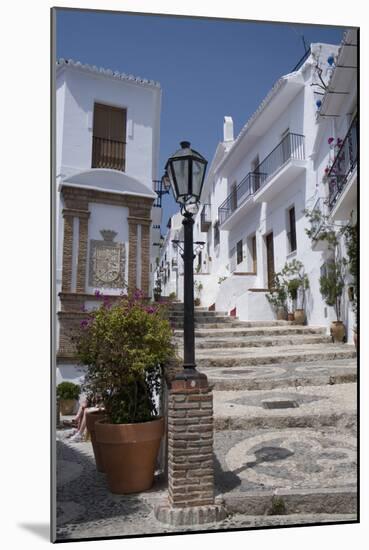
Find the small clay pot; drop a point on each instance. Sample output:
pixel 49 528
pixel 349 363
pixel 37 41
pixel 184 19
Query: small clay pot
pixel 337 331
pixel 290 317
pixel 299 316
pixel 67 406
pixel 281 314
pixel 91 418
pixel 129 453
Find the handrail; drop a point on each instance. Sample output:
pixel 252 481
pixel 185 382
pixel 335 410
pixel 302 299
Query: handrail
pixel 344 163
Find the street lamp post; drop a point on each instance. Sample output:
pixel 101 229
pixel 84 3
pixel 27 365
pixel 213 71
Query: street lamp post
pixel 186 172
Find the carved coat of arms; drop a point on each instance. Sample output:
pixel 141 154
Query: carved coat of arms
pixel 107 261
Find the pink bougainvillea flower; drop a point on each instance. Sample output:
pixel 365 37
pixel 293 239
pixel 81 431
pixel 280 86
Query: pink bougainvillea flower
pixel 330 140
pixel 98 293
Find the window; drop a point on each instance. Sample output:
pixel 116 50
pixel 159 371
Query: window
pixel 216 233
pixel 109 137
pixel 239 252
pixel 292 230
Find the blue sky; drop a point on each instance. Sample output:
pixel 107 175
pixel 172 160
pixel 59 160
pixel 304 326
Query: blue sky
pixel 206 68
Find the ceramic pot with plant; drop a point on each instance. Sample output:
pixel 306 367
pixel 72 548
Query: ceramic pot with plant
pixel 91 418
pixel 277 297
pixel 331 288
pixel 123 347
pixel 68 394
pixel 297 284
pixel 198 288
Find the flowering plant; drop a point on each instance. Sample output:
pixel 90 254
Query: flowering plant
pixel 124 345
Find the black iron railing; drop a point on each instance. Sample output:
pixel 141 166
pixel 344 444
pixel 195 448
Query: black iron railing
pixel 244 189
pixel 108 153
pixel 291 147
pixel 344 163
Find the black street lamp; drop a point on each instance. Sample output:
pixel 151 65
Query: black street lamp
pixel 186 172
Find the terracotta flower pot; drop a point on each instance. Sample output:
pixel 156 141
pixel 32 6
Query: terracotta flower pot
pixel 291 317
pixel 91 418
pixel 299 316
pixel 129 454
pixel 337 331
pixel 67 406
pixel 281 314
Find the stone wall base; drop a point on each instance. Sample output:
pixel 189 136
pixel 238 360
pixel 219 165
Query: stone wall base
pixel 190 515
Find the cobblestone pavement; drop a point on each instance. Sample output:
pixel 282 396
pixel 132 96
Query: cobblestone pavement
pixel 86 508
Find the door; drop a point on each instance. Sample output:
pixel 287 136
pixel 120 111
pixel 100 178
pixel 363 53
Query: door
pixel 270 259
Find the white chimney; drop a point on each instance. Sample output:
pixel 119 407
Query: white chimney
pixel 228 128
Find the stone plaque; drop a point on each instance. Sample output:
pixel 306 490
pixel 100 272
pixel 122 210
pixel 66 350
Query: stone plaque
pixel 107 261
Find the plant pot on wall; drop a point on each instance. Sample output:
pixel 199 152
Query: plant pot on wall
pixel 67 406
pixel 299 316
pixel 91 418
pixel 338 331
pixel 129 453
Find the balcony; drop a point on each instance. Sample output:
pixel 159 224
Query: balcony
pixel 278 169
pixel 240 196
pixel 108 153
pixel 284 164
pixel 205 218
pixel 341 177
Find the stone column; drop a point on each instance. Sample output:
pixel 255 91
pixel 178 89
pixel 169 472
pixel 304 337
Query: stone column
pixel 190 456
pixel 82 251
pixel 145 257
pixel 132 254
pixel 67 251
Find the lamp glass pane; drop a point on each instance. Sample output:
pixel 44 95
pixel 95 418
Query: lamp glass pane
pixel 180 168
pixel 198 169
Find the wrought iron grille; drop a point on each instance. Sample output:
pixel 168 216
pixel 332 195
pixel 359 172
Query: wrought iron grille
pixel 344 163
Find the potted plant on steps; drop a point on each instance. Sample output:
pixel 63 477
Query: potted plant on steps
pixel 331 288
pixel 123 346
pixel 277 297
pixel 198 288
pixel 67 393
pixel 297 283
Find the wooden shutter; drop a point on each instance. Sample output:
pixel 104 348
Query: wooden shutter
pixel 109 137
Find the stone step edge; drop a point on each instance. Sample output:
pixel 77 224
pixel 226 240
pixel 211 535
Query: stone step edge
pixel 255 385
pixel 267 341
pixel 333 500
pixel 287 357
pixel 343 420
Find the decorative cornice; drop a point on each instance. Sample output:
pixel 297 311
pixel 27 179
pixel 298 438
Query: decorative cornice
pixel 106 72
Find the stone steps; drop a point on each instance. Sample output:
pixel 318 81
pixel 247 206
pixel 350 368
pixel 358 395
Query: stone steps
pixel 253 332
pixel 230 323
pixel 307 407
pixel 269 471
pixel 245 357
pixel 262 341
pixel 286 375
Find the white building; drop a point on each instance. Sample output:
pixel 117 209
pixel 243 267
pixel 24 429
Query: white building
pixel 259 184
pixel 107 148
